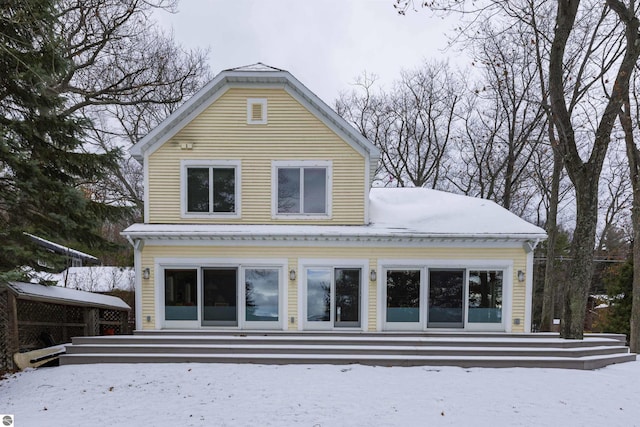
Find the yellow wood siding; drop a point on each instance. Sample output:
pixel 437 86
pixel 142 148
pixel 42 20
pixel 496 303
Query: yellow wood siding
pixel 221 132
pixel 372 254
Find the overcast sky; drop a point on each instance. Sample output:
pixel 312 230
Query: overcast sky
pixel 326 44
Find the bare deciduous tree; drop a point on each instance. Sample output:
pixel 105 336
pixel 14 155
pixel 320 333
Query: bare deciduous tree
pixel 598 42
pixel 412 124
pixel 126 76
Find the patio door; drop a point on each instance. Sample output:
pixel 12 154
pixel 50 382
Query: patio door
pixel 220 297
pixel 446 297
pixel 333 298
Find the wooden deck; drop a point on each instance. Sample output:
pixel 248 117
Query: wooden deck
pixel 491 350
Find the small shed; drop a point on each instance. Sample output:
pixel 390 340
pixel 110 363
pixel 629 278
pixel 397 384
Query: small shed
pixel 34 316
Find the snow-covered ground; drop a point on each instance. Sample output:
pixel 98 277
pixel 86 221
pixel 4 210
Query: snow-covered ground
pixel 320 395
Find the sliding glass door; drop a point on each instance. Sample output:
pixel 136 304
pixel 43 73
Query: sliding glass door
pixel 261 298
pixel 421 298
pixel 403 308
pixel 220 297
pixel 333 298
pixel 181 295
pixel 446 294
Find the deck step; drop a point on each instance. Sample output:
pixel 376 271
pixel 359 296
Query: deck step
pixel 385 349
pixel 323 340
pixel 341 349
pixel 586 362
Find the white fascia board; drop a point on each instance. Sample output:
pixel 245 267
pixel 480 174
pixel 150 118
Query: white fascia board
pixel 319 233
pixel 330 118
pixel 226 79
pixel 324 241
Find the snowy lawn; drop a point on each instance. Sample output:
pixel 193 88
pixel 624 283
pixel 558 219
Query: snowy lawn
pixel 320 395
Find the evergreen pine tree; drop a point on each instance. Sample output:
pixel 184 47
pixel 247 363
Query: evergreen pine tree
pixel 42 163
pixel 619 285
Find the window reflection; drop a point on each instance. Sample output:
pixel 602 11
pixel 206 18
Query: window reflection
pixel 180 296
pixel 261 293
pixel 347 304
pixel 206 182
pixel 318 295
pixel 445 298
pixel 219 292
pixel 302 190
pixel 403 296
pixel 198 189
pixel 485 296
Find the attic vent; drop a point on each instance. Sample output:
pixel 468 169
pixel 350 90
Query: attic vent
pixel 256 111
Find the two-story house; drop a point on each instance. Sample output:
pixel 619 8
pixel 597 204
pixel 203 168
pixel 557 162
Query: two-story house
pixel 259 214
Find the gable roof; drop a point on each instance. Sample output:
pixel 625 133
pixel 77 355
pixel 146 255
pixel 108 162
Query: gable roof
pixel 254 75
pixel 397 214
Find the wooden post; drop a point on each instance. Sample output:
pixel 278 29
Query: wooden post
pixel 124 322
pixel 91 321
pixel 86 321
pixel 13 343
pixel 65 330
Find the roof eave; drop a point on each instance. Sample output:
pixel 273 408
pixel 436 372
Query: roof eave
pixel 336 237
pixel 207 93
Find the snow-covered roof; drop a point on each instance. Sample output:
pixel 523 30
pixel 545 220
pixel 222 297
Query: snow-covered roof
pixel 253 75
pixel 396 214
pixel 66 296
pixel 97 279
pixel 425 211
pixel 61 249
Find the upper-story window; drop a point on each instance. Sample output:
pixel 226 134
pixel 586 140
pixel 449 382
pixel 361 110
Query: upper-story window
pixel 210 188
pixel 302 189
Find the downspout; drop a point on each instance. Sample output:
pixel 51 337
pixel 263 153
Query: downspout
pixel 529 247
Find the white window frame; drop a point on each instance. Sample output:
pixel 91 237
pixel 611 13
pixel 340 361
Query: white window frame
pixel 382 291
pixel 301 164
pixel 506 266
pixel 241 264
pixel 211 164
pixel 332 264
pixel 250 103
pixel 506 293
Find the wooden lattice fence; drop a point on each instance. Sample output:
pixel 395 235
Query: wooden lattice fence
pixel 28 322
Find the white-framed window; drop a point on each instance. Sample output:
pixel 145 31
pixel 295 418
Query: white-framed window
pixel 301 189
pixel 210 188
pixel 333 294
pixel 257 111
pixel 446 294
pixel 221 293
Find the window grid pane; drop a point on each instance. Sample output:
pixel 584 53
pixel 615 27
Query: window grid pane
pixel 197 189
pixel 261 294
pixel 315 190
pixel 485 296
pixel 403 296
pixel 318 295
pixel 224 187
pixel 302 190
pixel 180 295
pixel 347 296
pixel 289 190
